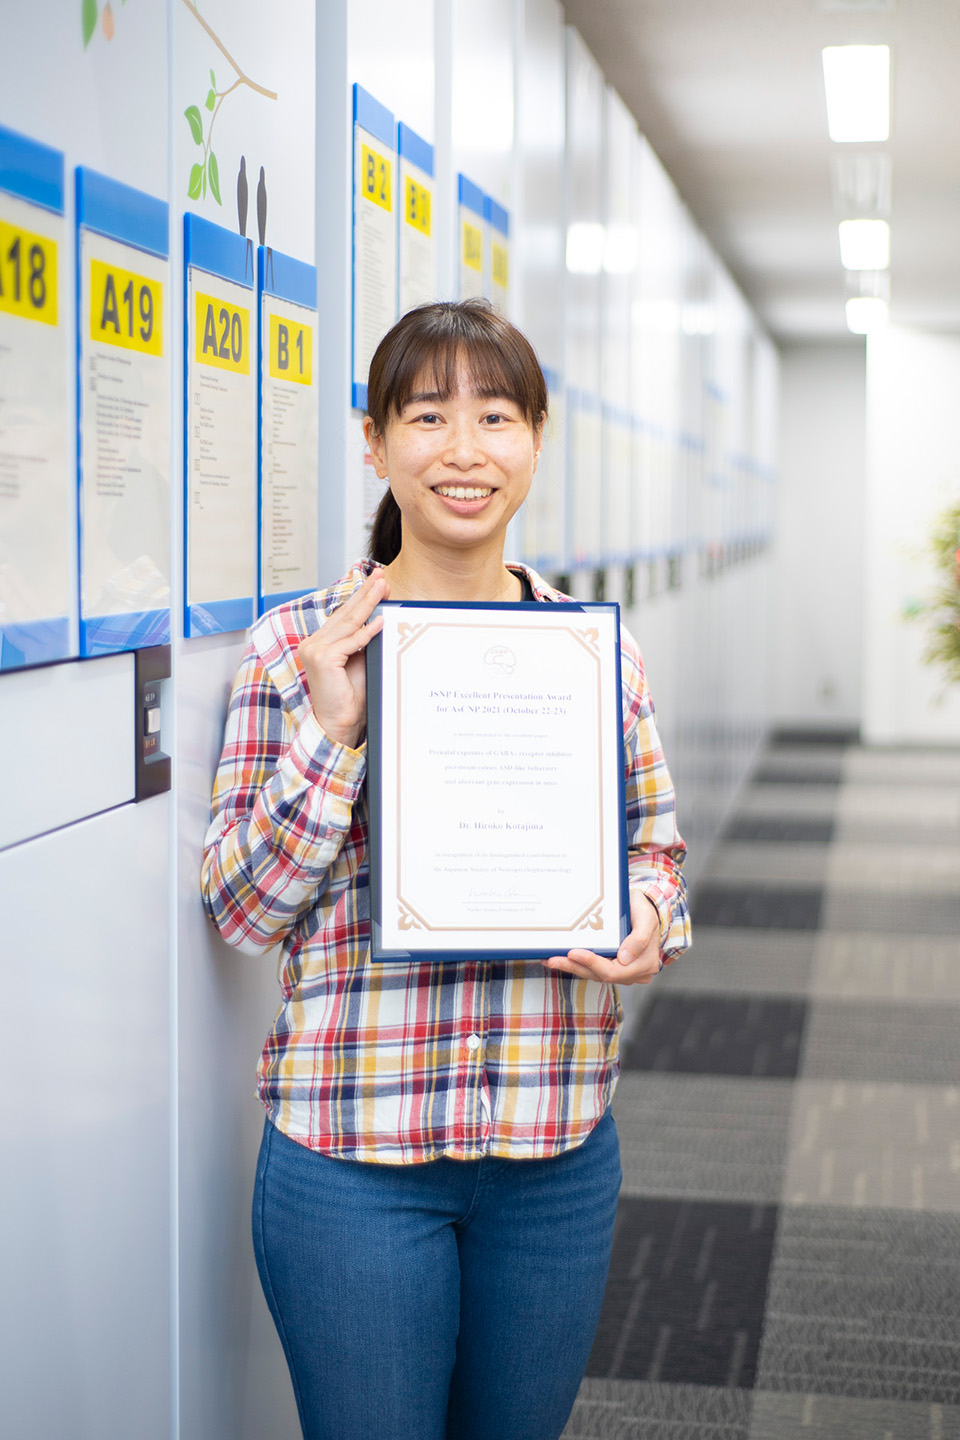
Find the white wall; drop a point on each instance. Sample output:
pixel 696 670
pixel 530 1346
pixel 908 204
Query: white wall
pixel 818 557
pixel 913 473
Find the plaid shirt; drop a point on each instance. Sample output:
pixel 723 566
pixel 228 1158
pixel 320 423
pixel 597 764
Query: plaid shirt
pixel 404 1062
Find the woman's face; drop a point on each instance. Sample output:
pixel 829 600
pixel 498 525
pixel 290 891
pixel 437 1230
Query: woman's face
pixel 459 468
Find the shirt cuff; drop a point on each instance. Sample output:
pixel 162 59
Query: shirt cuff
pixel 322 760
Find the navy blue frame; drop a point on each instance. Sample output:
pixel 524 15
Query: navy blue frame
pixel 374 675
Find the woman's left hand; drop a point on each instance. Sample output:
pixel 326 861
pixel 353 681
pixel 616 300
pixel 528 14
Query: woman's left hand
pixel 637 961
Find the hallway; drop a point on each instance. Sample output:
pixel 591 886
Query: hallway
pixel 787 1259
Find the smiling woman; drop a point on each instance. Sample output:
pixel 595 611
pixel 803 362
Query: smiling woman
pixel 456 404
pixel 437 1184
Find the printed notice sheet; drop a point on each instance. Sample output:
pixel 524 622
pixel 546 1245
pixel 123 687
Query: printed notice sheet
pixel 496 811
pixel 37 527
pixel 124 444
pixel 473 227
pixel 221 481
pixel 417 248
pixel 289 450
pixel 374 234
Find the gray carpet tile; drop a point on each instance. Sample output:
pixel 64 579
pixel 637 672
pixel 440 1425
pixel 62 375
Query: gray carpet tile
pixel 882 766
pixel 890 1146
pixel 685 1298
pixel 780 830
pixel 834 737
pixel 758 1035
pixel 804 764
pixel 864 1303
pixel 798 801
pixel 905 869
pixel 857 1040
pixel 893 806
pixel 917 969
pixel 864 829
pixel 636 1410
pixel 727 960
pixel 901 914
pixel 760 863
pixel 835 1417
pixel 700 1137
pixel 764 907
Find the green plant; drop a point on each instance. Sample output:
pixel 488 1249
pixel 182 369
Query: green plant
pixel 942 610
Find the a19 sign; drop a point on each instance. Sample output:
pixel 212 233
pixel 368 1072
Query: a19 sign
pixel 126 309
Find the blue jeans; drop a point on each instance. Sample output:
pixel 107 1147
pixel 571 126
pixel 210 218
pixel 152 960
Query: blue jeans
pixel 455 1300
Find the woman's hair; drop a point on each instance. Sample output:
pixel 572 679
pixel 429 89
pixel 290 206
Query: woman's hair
pixel 431 345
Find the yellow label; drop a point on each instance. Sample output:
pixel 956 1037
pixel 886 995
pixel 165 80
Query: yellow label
pixel 125 309
pixel 500 265
pixel 291 350
pixel 472 246
pixel 417 209
pixel 223 334
pixel 28 274
pixel 376 177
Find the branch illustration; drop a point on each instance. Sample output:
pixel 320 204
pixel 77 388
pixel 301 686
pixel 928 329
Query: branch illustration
pixel 242 78
pixel 207 171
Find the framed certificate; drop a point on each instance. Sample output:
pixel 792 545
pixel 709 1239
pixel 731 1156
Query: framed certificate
pixel 495 781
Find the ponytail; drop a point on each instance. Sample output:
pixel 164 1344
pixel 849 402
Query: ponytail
pixel 385 533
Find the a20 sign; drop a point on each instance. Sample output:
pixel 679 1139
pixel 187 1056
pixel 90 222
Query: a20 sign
pixel 291 350
pixel 222 334
pixel 126 309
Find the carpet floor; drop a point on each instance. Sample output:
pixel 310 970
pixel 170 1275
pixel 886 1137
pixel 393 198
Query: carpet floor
pixel 786 1263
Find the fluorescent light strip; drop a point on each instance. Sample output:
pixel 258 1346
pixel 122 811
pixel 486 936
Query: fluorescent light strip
pixel 857 81
pixel 864 244
pixel 866 313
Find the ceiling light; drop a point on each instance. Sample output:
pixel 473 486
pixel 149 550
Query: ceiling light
pixel 620 247
pixel 864 244
pixel 866 313
pixel 585 244
pixel 857 80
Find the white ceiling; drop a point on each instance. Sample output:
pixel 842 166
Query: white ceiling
pixel 730 95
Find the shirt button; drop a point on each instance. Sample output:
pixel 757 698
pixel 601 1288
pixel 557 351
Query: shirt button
pixel 473 1042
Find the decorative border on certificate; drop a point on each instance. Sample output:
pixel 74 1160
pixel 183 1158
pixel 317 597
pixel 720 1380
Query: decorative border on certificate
pixel 123 402
pixel 288 430
pixel 38 517
pixel 495 781
pixel 220 425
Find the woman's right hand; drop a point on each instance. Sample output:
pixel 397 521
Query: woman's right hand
pixel 333 662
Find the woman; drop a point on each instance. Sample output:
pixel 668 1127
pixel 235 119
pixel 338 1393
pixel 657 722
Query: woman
pixel 437 1183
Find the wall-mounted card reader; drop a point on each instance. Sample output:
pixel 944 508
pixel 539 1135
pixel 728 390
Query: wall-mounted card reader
pixel 153 766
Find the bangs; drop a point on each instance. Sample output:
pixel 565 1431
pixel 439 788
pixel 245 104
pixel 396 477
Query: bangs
pixel 433 347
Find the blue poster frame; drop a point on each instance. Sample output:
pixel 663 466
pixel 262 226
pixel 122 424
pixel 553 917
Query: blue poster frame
pixel 219 252
pixel 119 212
pixel 295 281
pixel 33 173
pixel 378 121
